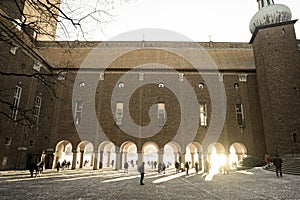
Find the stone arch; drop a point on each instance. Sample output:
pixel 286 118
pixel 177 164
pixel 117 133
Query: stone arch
pixel 150 153
pixel 172 152
pixel 102 159
pixel 129 154
pixel 86 154
pixel 107 154
pixel 237 151
pixel 216 158
pixel 150 143
pixel 194 153
pixel 217 146
pixel 103 145
pixel 61 154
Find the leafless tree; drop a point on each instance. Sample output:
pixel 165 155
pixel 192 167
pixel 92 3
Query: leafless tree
pixel 23 22
pixel 39 19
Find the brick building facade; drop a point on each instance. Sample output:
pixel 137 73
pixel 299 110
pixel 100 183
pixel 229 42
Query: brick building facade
pixel 98 104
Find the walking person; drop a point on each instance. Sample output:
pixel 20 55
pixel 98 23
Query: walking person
pixel 142 172
pixel 159 167
pixel 267 160
pixel 163 167
pixel 277 161
pixel 32 167
pixel 126 167
pixel 187 166
pixel 197 167
pixel 57 166
pixel 177 164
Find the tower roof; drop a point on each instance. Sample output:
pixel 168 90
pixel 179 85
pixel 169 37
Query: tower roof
pixel 269 13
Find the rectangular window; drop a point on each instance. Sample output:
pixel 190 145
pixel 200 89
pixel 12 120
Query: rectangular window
pixel 101 76
pixel 78 112
pixel 180 76
pixel 31 143
pixel 13 49
pixel 4 161
pixel 16 102
pixel 119 113
pixel 37 109
pixel 239 115
pixel 37 66
pixel 8 141
pixel 141 76
pixel 161 114
pixel 203 115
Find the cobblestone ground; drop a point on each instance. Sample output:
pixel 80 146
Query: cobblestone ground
pixel 95 184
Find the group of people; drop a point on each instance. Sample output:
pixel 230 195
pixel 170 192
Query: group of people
pixel 62 165
pixel 162 168
pixel 37 168
pixel 181 167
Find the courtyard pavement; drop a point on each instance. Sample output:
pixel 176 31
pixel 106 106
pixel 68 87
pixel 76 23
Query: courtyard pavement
pixel 86 184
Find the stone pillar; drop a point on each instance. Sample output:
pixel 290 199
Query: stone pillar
pixel 160 156
pixel 118 160
pixel 121 164
pixel 74 160
pixel 125 156
pixel 206 165
pixel 96 159
pixel 175 157
pixel 193 159
pixel 101 160
pixel 182 160
pixel 200 157
pixel 108 158
pixel 49 159
pixel 92 159
pixel 81 159
pixel 140 158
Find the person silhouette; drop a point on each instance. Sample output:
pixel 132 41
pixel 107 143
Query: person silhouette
pixel 277 161
pixel 142 172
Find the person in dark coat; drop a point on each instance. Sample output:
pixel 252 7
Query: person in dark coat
pixel 32 167
pixel 177 164
pixel 187 166
pixel 142 171
pixel 126 167
pixel 277 162
pixel 57 166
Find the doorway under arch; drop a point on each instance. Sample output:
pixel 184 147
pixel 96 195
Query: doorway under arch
pixel 130 155
pixel 63 152
pixel 237 152
pixel 216 157
pixel 150 154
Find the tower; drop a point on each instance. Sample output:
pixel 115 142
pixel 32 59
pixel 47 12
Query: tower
pixel 277 61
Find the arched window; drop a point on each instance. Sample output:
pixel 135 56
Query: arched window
pixel 295 137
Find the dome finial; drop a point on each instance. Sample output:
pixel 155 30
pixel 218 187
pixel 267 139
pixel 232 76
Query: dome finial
pixel 263 3
pixel 269 13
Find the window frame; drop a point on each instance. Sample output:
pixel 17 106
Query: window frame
pixel 239 112
pixel 161 114
pixel 203 114
pixel 78 112
pixel 119 113
pixel 16 103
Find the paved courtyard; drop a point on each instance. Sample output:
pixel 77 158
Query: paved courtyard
pixel 90 184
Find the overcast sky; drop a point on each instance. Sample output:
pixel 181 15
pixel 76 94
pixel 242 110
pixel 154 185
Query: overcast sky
pixel 199 20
